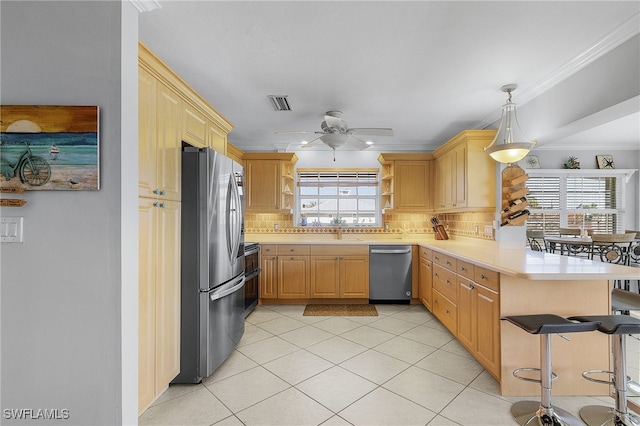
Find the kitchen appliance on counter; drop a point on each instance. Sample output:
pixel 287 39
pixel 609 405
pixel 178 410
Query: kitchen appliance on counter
pixel 212 288
pixel 251 275
pixel 390 273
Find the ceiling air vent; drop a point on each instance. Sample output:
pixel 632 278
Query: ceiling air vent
pixel 280 102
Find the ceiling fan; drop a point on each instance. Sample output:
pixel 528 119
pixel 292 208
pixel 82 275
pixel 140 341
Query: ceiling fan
pixel 335 132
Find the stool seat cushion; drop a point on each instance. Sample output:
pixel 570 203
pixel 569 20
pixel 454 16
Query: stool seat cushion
pixel 613 324
pixel 549 323
pixel 623 300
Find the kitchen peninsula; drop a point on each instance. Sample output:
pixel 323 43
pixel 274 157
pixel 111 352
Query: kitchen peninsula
pixel 518 282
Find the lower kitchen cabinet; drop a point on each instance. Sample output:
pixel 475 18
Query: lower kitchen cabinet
pixel 293 277
pixel 339 272
pixel 268 275
pixel 316 271
pixel 159 297
pixel 466 300
pixel 426 278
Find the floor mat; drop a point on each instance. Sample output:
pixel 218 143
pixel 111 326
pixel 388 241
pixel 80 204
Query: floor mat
pixel 341 310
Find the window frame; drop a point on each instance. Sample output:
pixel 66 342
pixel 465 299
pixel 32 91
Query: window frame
pixel 370 175
pixel 621 176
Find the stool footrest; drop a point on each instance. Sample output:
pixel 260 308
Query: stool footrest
pixel 518 376
pixel 587 373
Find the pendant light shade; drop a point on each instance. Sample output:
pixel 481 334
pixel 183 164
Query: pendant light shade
pixel 510 144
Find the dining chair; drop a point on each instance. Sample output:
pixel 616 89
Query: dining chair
pixel 535 239
pixel 569 232
pixel 612 248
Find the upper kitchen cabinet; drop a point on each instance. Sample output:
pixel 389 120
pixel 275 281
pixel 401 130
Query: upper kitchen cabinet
pixel 406 181
pixel 465 175
pixel 270 182
pixel 170 113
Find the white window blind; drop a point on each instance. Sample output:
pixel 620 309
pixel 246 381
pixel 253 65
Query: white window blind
pixel 337 197
pixel 594 202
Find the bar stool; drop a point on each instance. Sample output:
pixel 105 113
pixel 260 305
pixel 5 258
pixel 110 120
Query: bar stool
pixel 618 326
pixel 524 412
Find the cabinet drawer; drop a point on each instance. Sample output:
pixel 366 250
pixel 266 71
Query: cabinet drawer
pixel 426 253
pixel 465 269
pixel 487 277
pixel 448 262
pixel 446 311
pixel 444 281
pixel 269 249
pixel 339 250
pixel 293 249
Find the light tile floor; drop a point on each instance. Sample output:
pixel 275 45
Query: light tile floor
pixel 399 368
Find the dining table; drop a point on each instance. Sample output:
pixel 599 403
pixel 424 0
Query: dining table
pixel 577 246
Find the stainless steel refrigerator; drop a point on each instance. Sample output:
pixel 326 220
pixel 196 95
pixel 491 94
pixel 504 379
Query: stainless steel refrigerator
pixel 212 299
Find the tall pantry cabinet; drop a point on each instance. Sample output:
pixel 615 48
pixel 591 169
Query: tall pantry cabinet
pixel 170 114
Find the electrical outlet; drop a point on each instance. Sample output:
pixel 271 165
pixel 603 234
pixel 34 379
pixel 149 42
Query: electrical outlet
pixel 488 230
pixel 476 230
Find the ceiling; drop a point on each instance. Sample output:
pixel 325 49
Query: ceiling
pixel 426 69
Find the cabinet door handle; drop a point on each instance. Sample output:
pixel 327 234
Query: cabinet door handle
pixel 482 276
pixel 462 268
pixel 448 263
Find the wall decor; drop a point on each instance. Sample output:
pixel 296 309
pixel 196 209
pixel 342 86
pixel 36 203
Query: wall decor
pixel 572 163
pixel 49 147
pixel 605 161
pixel 531 162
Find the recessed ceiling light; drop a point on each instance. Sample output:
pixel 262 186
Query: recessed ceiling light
pixel 304 142
pixel 369 142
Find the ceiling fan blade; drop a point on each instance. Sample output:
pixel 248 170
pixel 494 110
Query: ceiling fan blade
pixel 372 131
pixel 312 143
pixel 357 143
pixel 293 132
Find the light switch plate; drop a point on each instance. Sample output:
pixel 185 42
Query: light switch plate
pixel 11 229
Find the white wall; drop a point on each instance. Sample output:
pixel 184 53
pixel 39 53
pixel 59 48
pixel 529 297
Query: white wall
pixel 61 290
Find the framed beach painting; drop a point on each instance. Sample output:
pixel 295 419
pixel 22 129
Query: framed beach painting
pixel 49 147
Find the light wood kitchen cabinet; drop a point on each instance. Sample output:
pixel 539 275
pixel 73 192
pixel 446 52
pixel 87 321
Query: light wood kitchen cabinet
pixel 406 181
pixel 465 175
pixel 293 277
pixel 293 271
pixel 479 323
pixel 339 272
pixel 466 300
pixel 159 145
pixel 194 126
pixel 413 191
pixel 426 278
pixel 270 181
pixel 170 112
pixel 159 297
pixel 268 278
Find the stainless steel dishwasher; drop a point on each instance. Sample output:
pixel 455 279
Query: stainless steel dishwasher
pixel 390 273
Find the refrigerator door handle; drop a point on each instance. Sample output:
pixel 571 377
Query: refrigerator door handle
pixel 234 214
pixel 215 296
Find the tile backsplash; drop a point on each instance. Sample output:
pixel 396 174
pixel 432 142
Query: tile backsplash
pixel 467 224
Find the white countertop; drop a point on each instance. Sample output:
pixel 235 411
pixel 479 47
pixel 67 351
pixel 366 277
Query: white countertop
pixel 517 262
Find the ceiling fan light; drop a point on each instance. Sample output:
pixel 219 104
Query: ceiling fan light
pixel 505 148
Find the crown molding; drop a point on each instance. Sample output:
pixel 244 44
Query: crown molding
pixel 606 44
pixel 145 5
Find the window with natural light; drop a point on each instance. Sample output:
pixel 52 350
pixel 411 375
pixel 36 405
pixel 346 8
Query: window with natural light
pixel 331 197
pixel 590 202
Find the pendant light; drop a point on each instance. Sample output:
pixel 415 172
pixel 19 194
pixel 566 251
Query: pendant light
pixel 510 144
